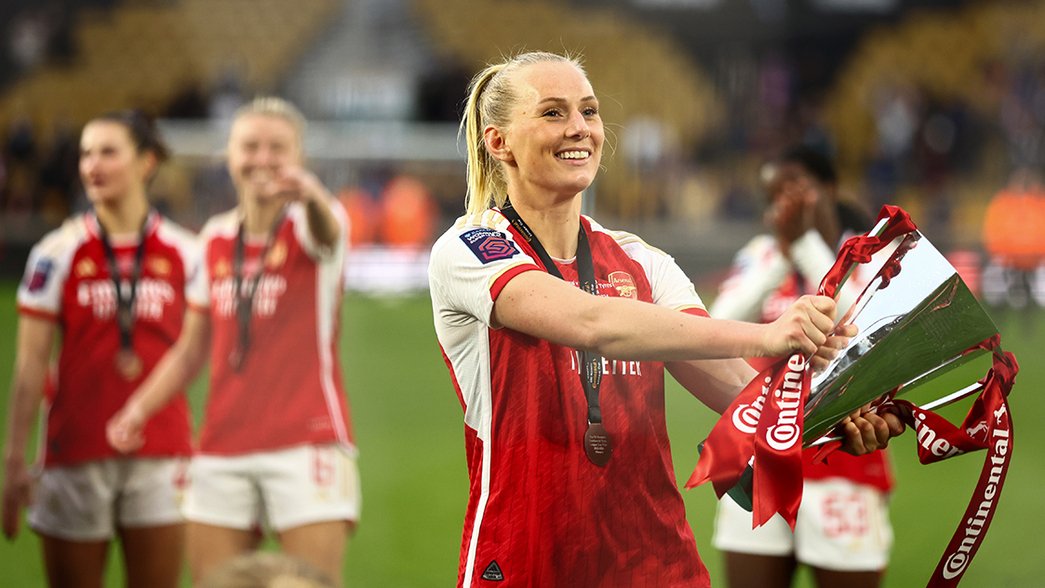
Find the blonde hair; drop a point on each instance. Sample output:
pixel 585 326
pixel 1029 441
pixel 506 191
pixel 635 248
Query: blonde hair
pixel 274 106
pixel 491 95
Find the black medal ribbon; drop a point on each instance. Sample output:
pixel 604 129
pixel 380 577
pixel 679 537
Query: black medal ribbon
pixel 127 362
pixel 245 289
pixel 596 440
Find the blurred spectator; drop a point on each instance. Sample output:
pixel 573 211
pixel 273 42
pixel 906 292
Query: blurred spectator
pixel 1014 238
pixel 190 102
pixel 439 93
pixel 20 154
pixel 59 176
pixel 362 216
pixel 407 213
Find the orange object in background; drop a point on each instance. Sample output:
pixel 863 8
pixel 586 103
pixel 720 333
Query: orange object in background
pixel 407 215
pixel 362 215
pixel 1014 225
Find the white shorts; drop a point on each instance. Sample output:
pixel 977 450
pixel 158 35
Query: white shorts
pixel 279 489
pixel 89 501
pixel 841 526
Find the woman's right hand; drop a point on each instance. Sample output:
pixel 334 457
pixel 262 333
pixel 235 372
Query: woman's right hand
pixel 804 327
pixel 17 483
pixel 125 430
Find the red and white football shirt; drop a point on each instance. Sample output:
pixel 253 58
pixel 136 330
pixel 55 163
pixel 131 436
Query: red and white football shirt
pixel 289 388
pixel 539 513
pixel 67 280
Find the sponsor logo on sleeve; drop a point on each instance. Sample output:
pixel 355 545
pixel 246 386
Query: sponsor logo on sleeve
pixel 39 276
pixel 489 245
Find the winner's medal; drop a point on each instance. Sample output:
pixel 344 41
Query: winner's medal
pixel 245 288
pixel 597 444
pixel 128 364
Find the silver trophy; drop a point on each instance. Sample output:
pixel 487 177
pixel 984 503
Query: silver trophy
pixel 917 320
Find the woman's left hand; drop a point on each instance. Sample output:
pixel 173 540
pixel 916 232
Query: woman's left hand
pixel 865 431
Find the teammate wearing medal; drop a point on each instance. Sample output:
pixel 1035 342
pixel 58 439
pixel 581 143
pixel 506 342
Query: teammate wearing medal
pixel 111 284
pixel 276 450
pixel 568 456
pixel 843 531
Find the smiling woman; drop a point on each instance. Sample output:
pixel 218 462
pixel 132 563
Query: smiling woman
pixel 110 285
pixel 568 455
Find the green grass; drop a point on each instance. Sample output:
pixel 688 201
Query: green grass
pixel 408 427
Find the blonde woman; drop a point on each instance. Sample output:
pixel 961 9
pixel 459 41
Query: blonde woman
pixel 556 332
pixel 276 449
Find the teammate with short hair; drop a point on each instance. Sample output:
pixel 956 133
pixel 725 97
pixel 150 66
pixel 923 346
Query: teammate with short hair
pixel 111 283
pixel 276 449
pixel 563 391
pixel 843 531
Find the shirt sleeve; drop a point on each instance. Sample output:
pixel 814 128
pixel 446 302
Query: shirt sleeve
pixel 40 292
pixel 468 268
pixel 814 257
pixel 758 269
pixel 671 287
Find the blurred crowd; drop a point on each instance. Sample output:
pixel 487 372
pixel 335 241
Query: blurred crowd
pixel 936 146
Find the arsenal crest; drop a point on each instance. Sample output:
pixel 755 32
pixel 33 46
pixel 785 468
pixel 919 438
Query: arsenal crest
pixel 624 284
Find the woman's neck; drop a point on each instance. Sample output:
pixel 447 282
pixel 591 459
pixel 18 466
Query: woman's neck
pixel 258 217
pixel 555 225
pixel 123 216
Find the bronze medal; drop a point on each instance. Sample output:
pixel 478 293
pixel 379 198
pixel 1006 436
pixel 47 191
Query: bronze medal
pixel 128 364
pixel 597 444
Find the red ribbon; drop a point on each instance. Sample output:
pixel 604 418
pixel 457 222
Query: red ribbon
pixel 766 420
pixel 762 423
pixel 988 425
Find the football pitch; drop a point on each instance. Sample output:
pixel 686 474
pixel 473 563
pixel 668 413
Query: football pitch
pixel 408 426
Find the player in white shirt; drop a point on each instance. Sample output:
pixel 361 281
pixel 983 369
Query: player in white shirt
pixel 843 531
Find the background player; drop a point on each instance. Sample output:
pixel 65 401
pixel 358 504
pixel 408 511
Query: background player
pixel 843 529
pixel 276 447
pixel 111 282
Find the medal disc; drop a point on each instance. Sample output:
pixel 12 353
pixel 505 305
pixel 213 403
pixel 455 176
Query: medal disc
pixel 128 364
pixel 597 444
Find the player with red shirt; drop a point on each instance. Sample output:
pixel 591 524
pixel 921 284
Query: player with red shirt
pixel 843 531
pixel 112 283
pixel 562 386
pixel 276 449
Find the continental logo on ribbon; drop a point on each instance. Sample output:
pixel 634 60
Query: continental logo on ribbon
pixel 489 245
pixel 624 284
